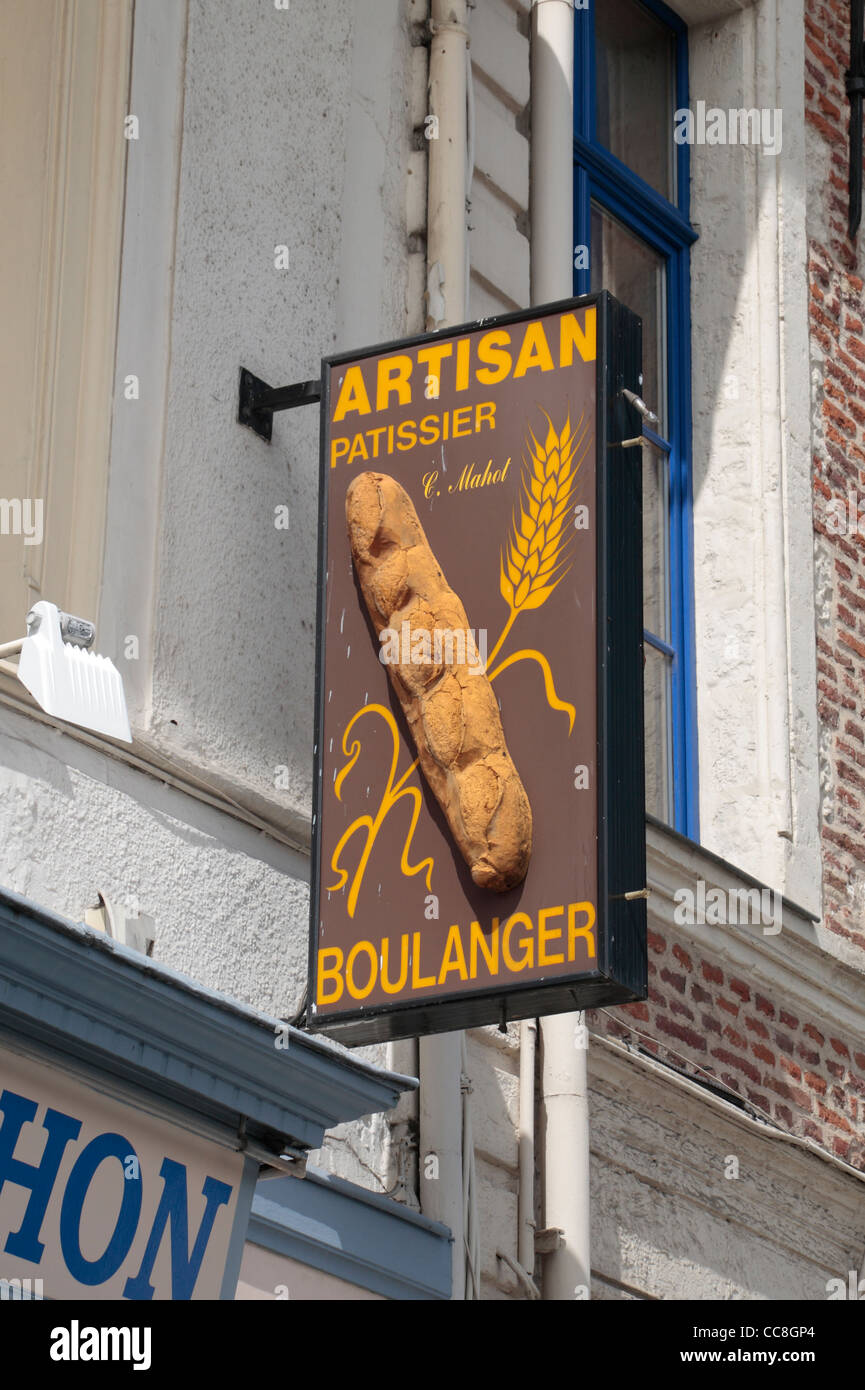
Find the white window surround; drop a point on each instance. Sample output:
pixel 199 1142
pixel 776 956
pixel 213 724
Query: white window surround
pixel 65 75
pixel 143 347
pixel 753 535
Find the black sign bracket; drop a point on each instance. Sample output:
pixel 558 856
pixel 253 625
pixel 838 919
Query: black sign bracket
pixel 257 401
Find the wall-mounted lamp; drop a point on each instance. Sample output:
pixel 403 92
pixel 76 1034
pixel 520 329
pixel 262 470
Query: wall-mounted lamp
pixel 67 680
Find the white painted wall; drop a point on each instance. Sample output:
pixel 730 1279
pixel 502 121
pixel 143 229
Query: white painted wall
pixel 289 133
pixel 753 583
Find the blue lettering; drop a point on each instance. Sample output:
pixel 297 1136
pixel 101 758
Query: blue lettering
pixel 39 1178
pixel 98 1271
pixel 173 1209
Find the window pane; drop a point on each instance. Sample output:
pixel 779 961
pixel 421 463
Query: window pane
pixel 656 523
pixel 635 274
pixel 635 84
pixel 659 745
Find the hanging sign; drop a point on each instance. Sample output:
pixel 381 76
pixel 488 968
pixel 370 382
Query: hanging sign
pixel 479 801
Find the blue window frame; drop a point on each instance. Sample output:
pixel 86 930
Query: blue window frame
pixel 608 194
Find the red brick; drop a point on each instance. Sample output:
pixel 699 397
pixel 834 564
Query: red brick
pixel 831 1117
pixel 712 973
pixel 762 1003
pixel 815 1082
pixel 757 1027
pixel 656 943
pixel 739 987
pixel 837 327
pixel 829 107
pixel 780 1087
pixel 671 977
pixel 677 1007
pixel 682 1033
pixel 730 1008
pixel 822 57
pixel 801 1098
pixel 738 1063
pixel 814 1034
pixel 638 1010
pixel 682 957
pixel 788 1020
pixel 762 1052
pixel 616 1028
pixel 839 1047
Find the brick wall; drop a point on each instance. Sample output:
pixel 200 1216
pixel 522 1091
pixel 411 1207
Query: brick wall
pixel 836 267
pixel 801 1073
pixel 804 1078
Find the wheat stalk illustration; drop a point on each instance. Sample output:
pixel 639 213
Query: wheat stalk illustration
pixel 536 556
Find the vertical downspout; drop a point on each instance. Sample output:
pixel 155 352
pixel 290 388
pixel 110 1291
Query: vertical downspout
pixel 446 186
pixel 566 1271
pixel 526 1199
pixel 440 1099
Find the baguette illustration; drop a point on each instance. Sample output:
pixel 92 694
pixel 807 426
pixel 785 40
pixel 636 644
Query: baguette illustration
pixel 450 707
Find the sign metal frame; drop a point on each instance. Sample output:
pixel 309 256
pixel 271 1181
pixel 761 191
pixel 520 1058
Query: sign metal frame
pixel 620 973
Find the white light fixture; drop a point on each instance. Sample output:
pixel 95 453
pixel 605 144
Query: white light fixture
pixel 68 681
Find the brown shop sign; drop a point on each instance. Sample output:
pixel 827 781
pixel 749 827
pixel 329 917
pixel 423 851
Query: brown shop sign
pixel 455 863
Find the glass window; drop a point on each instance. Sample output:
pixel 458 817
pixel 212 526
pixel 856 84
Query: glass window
pixel 631 66
pixel 637 275
pixel 635 57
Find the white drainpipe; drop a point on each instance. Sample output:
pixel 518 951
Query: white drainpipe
pixel 440 1099
pixel 566 1269
pixel 446 186
pixel 526 1200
